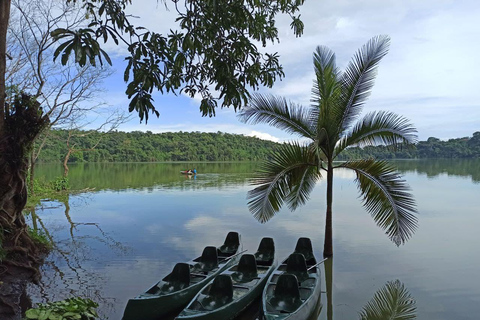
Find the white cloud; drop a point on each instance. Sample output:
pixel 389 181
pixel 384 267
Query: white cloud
pixel 263 135
pixel 429 76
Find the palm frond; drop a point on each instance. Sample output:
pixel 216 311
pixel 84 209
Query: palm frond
pixel 359 77
pixel 302 182
pixel 289 176
pixel 391 302
pixel 277 112
pixel 326 74
pixel 380 127
pixel 386 196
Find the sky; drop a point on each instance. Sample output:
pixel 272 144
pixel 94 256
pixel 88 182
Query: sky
pixel 430 75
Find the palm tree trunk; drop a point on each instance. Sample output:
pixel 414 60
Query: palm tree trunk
pixel 329 287
pixel 328 244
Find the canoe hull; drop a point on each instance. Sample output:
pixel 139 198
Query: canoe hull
pixel 231 310
pixel 152 308
pixel 155 304
pixel 309 305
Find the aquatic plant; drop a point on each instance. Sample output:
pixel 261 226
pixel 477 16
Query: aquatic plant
pixel 68 309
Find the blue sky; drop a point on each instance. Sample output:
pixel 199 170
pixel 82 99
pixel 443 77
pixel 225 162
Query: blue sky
pixel 430 74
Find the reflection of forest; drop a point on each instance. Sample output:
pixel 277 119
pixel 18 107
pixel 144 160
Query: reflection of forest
pixel 434 167
pixel 119 176
pixel 64 268
pixel 218 175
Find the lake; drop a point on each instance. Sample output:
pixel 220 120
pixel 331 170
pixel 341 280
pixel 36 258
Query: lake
pixel 131 223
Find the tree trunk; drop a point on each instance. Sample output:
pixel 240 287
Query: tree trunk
pixel 31 175
pixel 21 262
pixel 328 244
pixel 65 163
pixel 21 126
pixel 4 17
pixel 329 287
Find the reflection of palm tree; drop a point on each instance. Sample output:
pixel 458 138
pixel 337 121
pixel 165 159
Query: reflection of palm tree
pixel 330 125
pixel 392 302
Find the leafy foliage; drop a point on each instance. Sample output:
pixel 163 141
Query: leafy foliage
pixel 68 309
pixel 386 196
pixel 214 47
pixel 332 124
pixel 54 189
pixel 40 238
pixel 392 302
pixel 149 147
pixel 290 175
pixel 466 147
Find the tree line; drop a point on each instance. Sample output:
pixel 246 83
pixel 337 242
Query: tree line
pixel 136 146
pixel 466 147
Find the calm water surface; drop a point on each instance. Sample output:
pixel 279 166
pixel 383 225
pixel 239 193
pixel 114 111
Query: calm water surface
pixel 136 221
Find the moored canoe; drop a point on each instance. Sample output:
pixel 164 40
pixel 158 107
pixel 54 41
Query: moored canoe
pixel 293 290
pixel 179 287
pixel 235 288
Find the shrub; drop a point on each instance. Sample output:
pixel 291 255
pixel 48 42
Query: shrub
pixel 68 309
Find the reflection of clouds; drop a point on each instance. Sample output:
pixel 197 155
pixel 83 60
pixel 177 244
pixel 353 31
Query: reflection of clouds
pixel 202 221
pixel 311 226
pixel 202 231
pixel 343 173
pixel 154 228
pixel 175 225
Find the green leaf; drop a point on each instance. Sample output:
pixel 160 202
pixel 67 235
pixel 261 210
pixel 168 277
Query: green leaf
pixel 392 302
pixel 386 196
pixel 359 78
pixel 279 113
pixel 32 314
pixel 289 176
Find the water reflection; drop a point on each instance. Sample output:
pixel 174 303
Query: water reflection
pixel 165 218
pixel 393 301
pixel 151 176
pixel 65 274
pixel 434 167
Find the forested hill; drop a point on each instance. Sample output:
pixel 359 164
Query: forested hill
pixel 200 146
pixel 467 147
pixel 117 146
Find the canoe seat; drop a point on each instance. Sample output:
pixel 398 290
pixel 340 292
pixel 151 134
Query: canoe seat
pixel 304 246
pixel 286 297
pixel 297 266
pixel 231 244
pixel 220 293
pixel 178 279
pixel 246 269
pixel 208 261
pixel 266 252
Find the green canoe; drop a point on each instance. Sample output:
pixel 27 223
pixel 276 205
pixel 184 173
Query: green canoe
pixel 234 289
pixel 179 287
pixel 293 290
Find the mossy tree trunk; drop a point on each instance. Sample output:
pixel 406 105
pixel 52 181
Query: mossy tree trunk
pixel 21 124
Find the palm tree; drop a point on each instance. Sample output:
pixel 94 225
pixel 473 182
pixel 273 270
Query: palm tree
pixel 331 124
